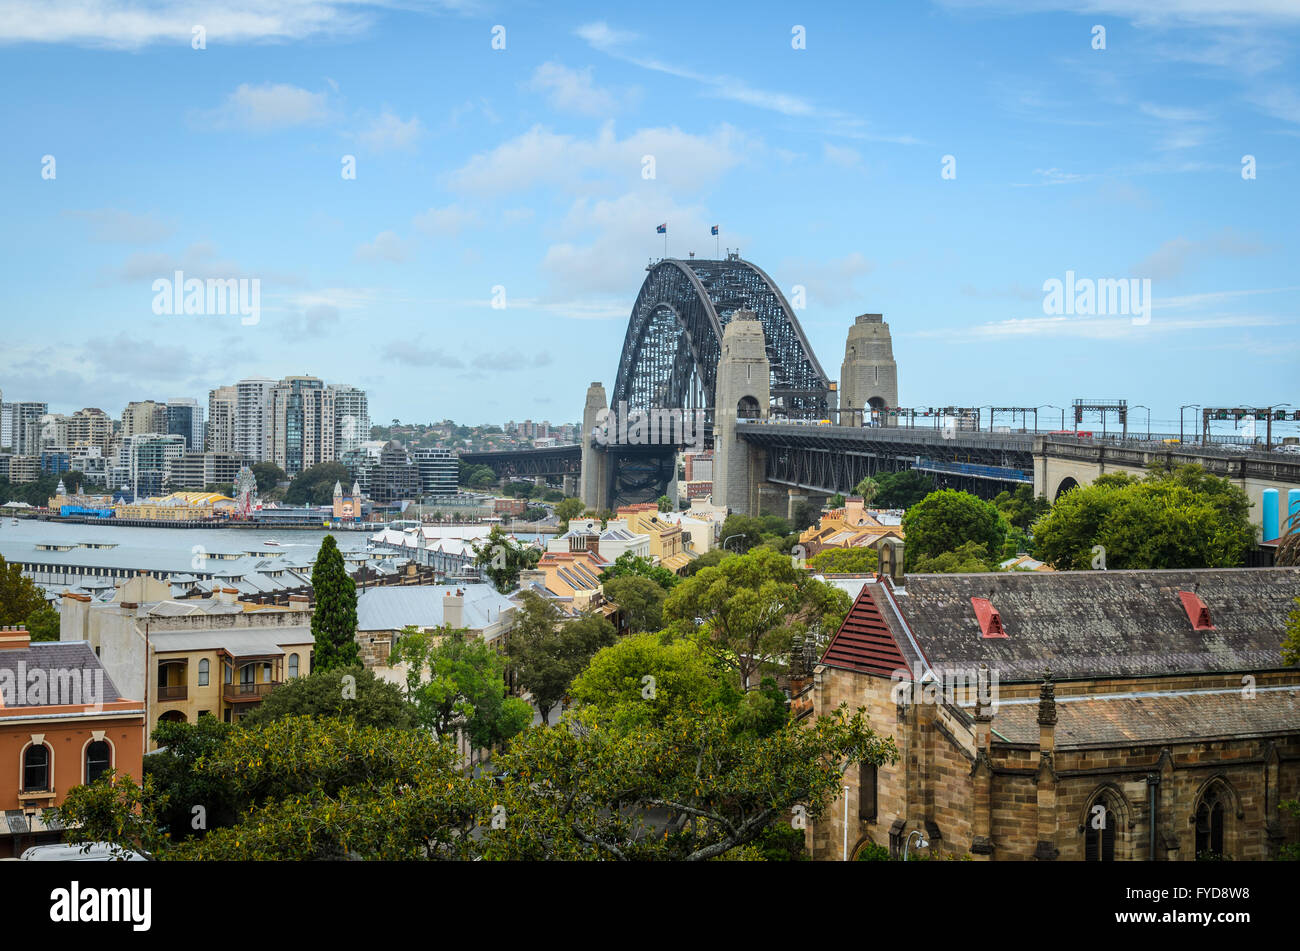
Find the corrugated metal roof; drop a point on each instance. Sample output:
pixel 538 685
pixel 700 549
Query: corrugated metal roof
pixel 393 608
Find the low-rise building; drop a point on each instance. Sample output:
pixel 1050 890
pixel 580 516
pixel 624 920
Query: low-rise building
pixel 666 543
pixel 382 613
pixel 60 730
pixel 853 526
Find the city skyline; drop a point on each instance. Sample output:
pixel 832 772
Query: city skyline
pixel 526 183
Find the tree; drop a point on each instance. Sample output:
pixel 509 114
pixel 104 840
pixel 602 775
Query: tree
pixel 945 520
pixel 750 608
pixel 806 514
pixel 268 476
pixel 641 679
pixel 750 531
pixel 351 692
pixel 902 490
pixel 567 509
pixel 503 558
pixel 630 565
pixel 640 599
pixel 43 624
pixel 178 788
pixel 1021 508
pixel 710 559
pixel 20 598
pixel 456 683
pixel 1291 644
pixel 315 486
pixel 845 561
pixel 693 787
pixel 836 501
pixel 334 621
pixel 664 503
pixel 1183 518
pixel 547 652
pixel 967 558
pixel 868 489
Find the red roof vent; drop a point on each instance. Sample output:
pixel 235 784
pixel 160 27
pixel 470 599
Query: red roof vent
pixel 1196 610
pixel 989 618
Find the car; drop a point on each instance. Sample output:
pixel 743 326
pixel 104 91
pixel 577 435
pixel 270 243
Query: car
pixel 97 852
pixel 1237 447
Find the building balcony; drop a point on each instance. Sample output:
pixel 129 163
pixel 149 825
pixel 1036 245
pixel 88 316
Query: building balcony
pixel 178 692
pixel 243 693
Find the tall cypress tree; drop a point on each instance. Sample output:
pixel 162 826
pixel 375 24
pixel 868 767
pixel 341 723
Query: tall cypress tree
pixel 334 622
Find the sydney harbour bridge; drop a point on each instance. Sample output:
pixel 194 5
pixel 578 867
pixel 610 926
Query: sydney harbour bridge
pixel 719 340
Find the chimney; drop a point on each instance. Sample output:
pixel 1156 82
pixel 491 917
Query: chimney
pixel 891 560
pixel 14 638
pixel 453 609
pixel 225 595
pixel 299 602
pixel 1047 714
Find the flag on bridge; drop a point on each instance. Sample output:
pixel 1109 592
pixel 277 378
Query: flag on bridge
pixel 662 229
pixel 714 231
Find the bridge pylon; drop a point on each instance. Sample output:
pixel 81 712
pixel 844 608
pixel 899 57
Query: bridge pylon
pixel 594 478
pixel 743 393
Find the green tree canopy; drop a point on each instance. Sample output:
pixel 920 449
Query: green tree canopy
pixel 503 558
pixel 1022 507
pixel 43 624
pixel 751 531
pixel 1185 518
pixel 315 486
pixel 567 509
pixel 861 559
pixel 457 685
pixel 945 520
pixel 268 476
pixel 20 598
pixel 334 620
pixel 364 698
pixel 868 489
pixel 641 600
pixel 902 490
pixel 547 651
pixel 836 501
pixel 967 558
pixel 748 610
pixel 664 503
pixel 630 565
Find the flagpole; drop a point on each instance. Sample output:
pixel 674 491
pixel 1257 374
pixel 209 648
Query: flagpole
pixel 665 241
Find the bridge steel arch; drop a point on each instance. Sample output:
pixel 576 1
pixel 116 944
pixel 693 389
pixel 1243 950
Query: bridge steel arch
pixel 674 339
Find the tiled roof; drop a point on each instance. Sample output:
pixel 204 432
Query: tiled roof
pixel 1087 624
pixel 864 641
pixel 1166 717
pixel 74 656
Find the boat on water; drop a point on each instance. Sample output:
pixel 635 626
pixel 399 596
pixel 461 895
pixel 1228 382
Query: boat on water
pixel 274 544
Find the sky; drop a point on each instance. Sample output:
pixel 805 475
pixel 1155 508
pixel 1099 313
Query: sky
pixel 937 162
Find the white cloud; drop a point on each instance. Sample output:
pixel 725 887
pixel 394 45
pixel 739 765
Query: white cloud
pixel 1173 257
pixel 542 157
pixel 132 24
pixel 388 133
pixel 269 106
pixel 573 90
pixel 387 246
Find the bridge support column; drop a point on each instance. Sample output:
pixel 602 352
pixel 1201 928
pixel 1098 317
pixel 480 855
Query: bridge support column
pixel 795 497
pixel 743 391
pixel 594 477
pixel 570 486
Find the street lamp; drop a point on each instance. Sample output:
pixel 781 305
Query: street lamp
pixel 729 538
pixel 1180 420
pixel 1148 409
pixel 922 844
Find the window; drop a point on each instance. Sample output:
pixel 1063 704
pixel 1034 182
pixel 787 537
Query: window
pixel 867 792
pixel 99 759
pixel 1099 831
pixel 36 768
pixel 204 666
pixel 266 673
pixel 293 666
pixel 1209 826
pixel 228 672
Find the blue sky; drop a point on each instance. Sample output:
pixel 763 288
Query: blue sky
pixel 522 168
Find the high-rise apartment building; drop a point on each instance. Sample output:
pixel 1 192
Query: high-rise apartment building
pixel 24 439
pixel 90 427
pixel 351 418
pixel 439 471
pixel 185 418
pixel 252 418
pixel 143 416
pixel 302 424
pixel 148 459
pixel 220 430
